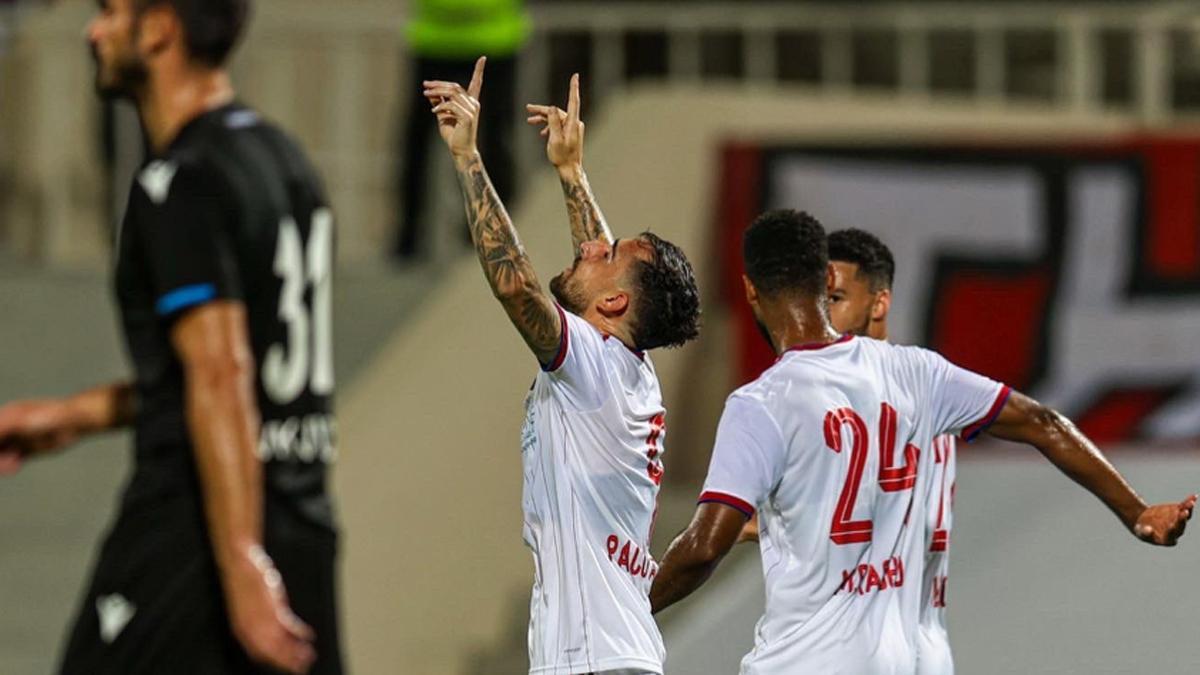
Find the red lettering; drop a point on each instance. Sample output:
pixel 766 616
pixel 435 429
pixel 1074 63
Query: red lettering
pixel 873 580
pixel 938 598
pixel 612 545
pixel 623 561
pixel 634 569
pixel 847 581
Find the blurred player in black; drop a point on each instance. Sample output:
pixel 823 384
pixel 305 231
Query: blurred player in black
pixel 223 281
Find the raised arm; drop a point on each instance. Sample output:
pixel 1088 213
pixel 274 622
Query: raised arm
pixel 222 416
pixel 505 264
pixel 564 132
pixel 32 428
pixel 1024 420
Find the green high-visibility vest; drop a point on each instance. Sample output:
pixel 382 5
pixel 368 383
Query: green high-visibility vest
pixel 454 29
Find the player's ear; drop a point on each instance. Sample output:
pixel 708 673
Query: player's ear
pixel 883 304
pixel 831 279
pixel 158 27
pixel 613 305
pixel 751 291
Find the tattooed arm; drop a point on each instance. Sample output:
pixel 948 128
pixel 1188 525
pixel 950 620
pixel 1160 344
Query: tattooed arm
pixel 505 263
pixel 564 148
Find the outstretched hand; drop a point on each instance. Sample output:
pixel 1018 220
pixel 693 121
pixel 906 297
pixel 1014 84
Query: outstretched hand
pixel 30 428
pixel 457 110
pixel 1163 524
pixel 562 128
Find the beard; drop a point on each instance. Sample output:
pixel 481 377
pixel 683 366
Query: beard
pixel 568 295
pixel 121 79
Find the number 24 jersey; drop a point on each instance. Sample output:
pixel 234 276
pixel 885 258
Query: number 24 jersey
pixel 833 446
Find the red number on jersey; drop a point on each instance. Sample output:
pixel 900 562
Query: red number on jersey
pixel 892 478
pixel 654 467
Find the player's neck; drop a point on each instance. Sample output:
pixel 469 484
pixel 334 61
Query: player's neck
pixel 615 329
pixel 878 330
pixel 177 95
pixel 794 323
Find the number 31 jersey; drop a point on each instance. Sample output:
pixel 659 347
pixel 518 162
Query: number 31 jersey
pixel 232 211
pixel 833 447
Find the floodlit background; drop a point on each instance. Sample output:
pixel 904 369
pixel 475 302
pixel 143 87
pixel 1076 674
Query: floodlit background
pixel 1035 166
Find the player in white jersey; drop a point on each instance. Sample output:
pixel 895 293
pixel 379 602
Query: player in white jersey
pixel 859 302
pixel 592 442
pixel 831 447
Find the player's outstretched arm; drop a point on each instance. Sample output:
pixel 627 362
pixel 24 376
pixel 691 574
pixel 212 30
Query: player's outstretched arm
pixel 505 263
pixel 32 428
pixel 564 132
pixel 695 553
pixel 223 421
pixel 1024 420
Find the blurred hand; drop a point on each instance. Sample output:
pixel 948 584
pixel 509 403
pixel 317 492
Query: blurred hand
pixel 261 619
pixel 31 428
pixel 1163 524
pixel 457 110
pixel 562 129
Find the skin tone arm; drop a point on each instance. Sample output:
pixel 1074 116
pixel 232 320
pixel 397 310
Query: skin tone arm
pixel 695 553
pixel 505 264
pixel 33 428
pixel 564 133
pixel 222 416
pixel 1024 420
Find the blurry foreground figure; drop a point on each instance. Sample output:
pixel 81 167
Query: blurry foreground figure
pixel 223 278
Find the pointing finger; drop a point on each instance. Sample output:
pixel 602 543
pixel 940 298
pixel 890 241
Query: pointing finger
pixel 573 100
pixel 477 78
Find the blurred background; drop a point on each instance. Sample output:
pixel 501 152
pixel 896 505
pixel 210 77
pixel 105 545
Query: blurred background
pixel 1035 167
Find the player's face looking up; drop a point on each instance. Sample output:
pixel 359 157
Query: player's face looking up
pixel 113 34
pixel 601 276
pixel 854 305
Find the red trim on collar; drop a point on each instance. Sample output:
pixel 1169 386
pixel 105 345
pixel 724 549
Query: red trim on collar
pixel 636 352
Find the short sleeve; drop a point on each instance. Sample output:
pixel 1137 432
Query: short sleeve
pixel 186 237
pixel 577 370
pixel 748 457
pixel 963 402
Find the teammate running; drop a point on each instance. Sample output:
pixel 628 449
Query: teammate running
pixel 593 437
pixel 223 282
pixel 831 446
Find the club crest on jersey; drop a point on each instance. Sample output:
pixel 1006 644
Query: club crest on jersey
pixel 156 179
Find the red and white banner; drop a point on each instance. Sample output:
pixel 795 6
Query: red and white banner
pixel 1068 272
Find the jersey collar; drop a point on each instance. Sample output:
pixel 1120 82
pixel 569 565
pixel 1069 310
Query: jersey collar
pixel 814 346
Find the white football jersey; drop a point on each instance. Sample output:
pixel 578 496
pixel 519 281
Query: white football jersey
pixel 933 641
pixel 832 446
pixel 592 449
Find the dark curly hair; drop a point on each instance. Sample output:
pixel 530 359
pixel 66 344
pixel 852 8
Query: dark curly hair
pixel 873 257
pixel 786 251
pixel 211 27
pixel 668 308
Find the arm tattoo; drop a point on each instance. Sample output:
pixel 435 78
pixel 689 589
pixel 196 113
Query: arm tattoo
pixel 587 222
pixel 506 265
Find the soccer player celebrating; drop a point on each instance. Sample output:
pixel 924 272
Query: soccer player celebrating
pixel 592 442
pixel 831 446
pixel 223 282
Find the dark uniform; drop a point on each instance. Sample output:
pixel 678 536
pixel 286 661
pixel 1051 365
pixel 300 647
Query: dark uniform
pixel 233 211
